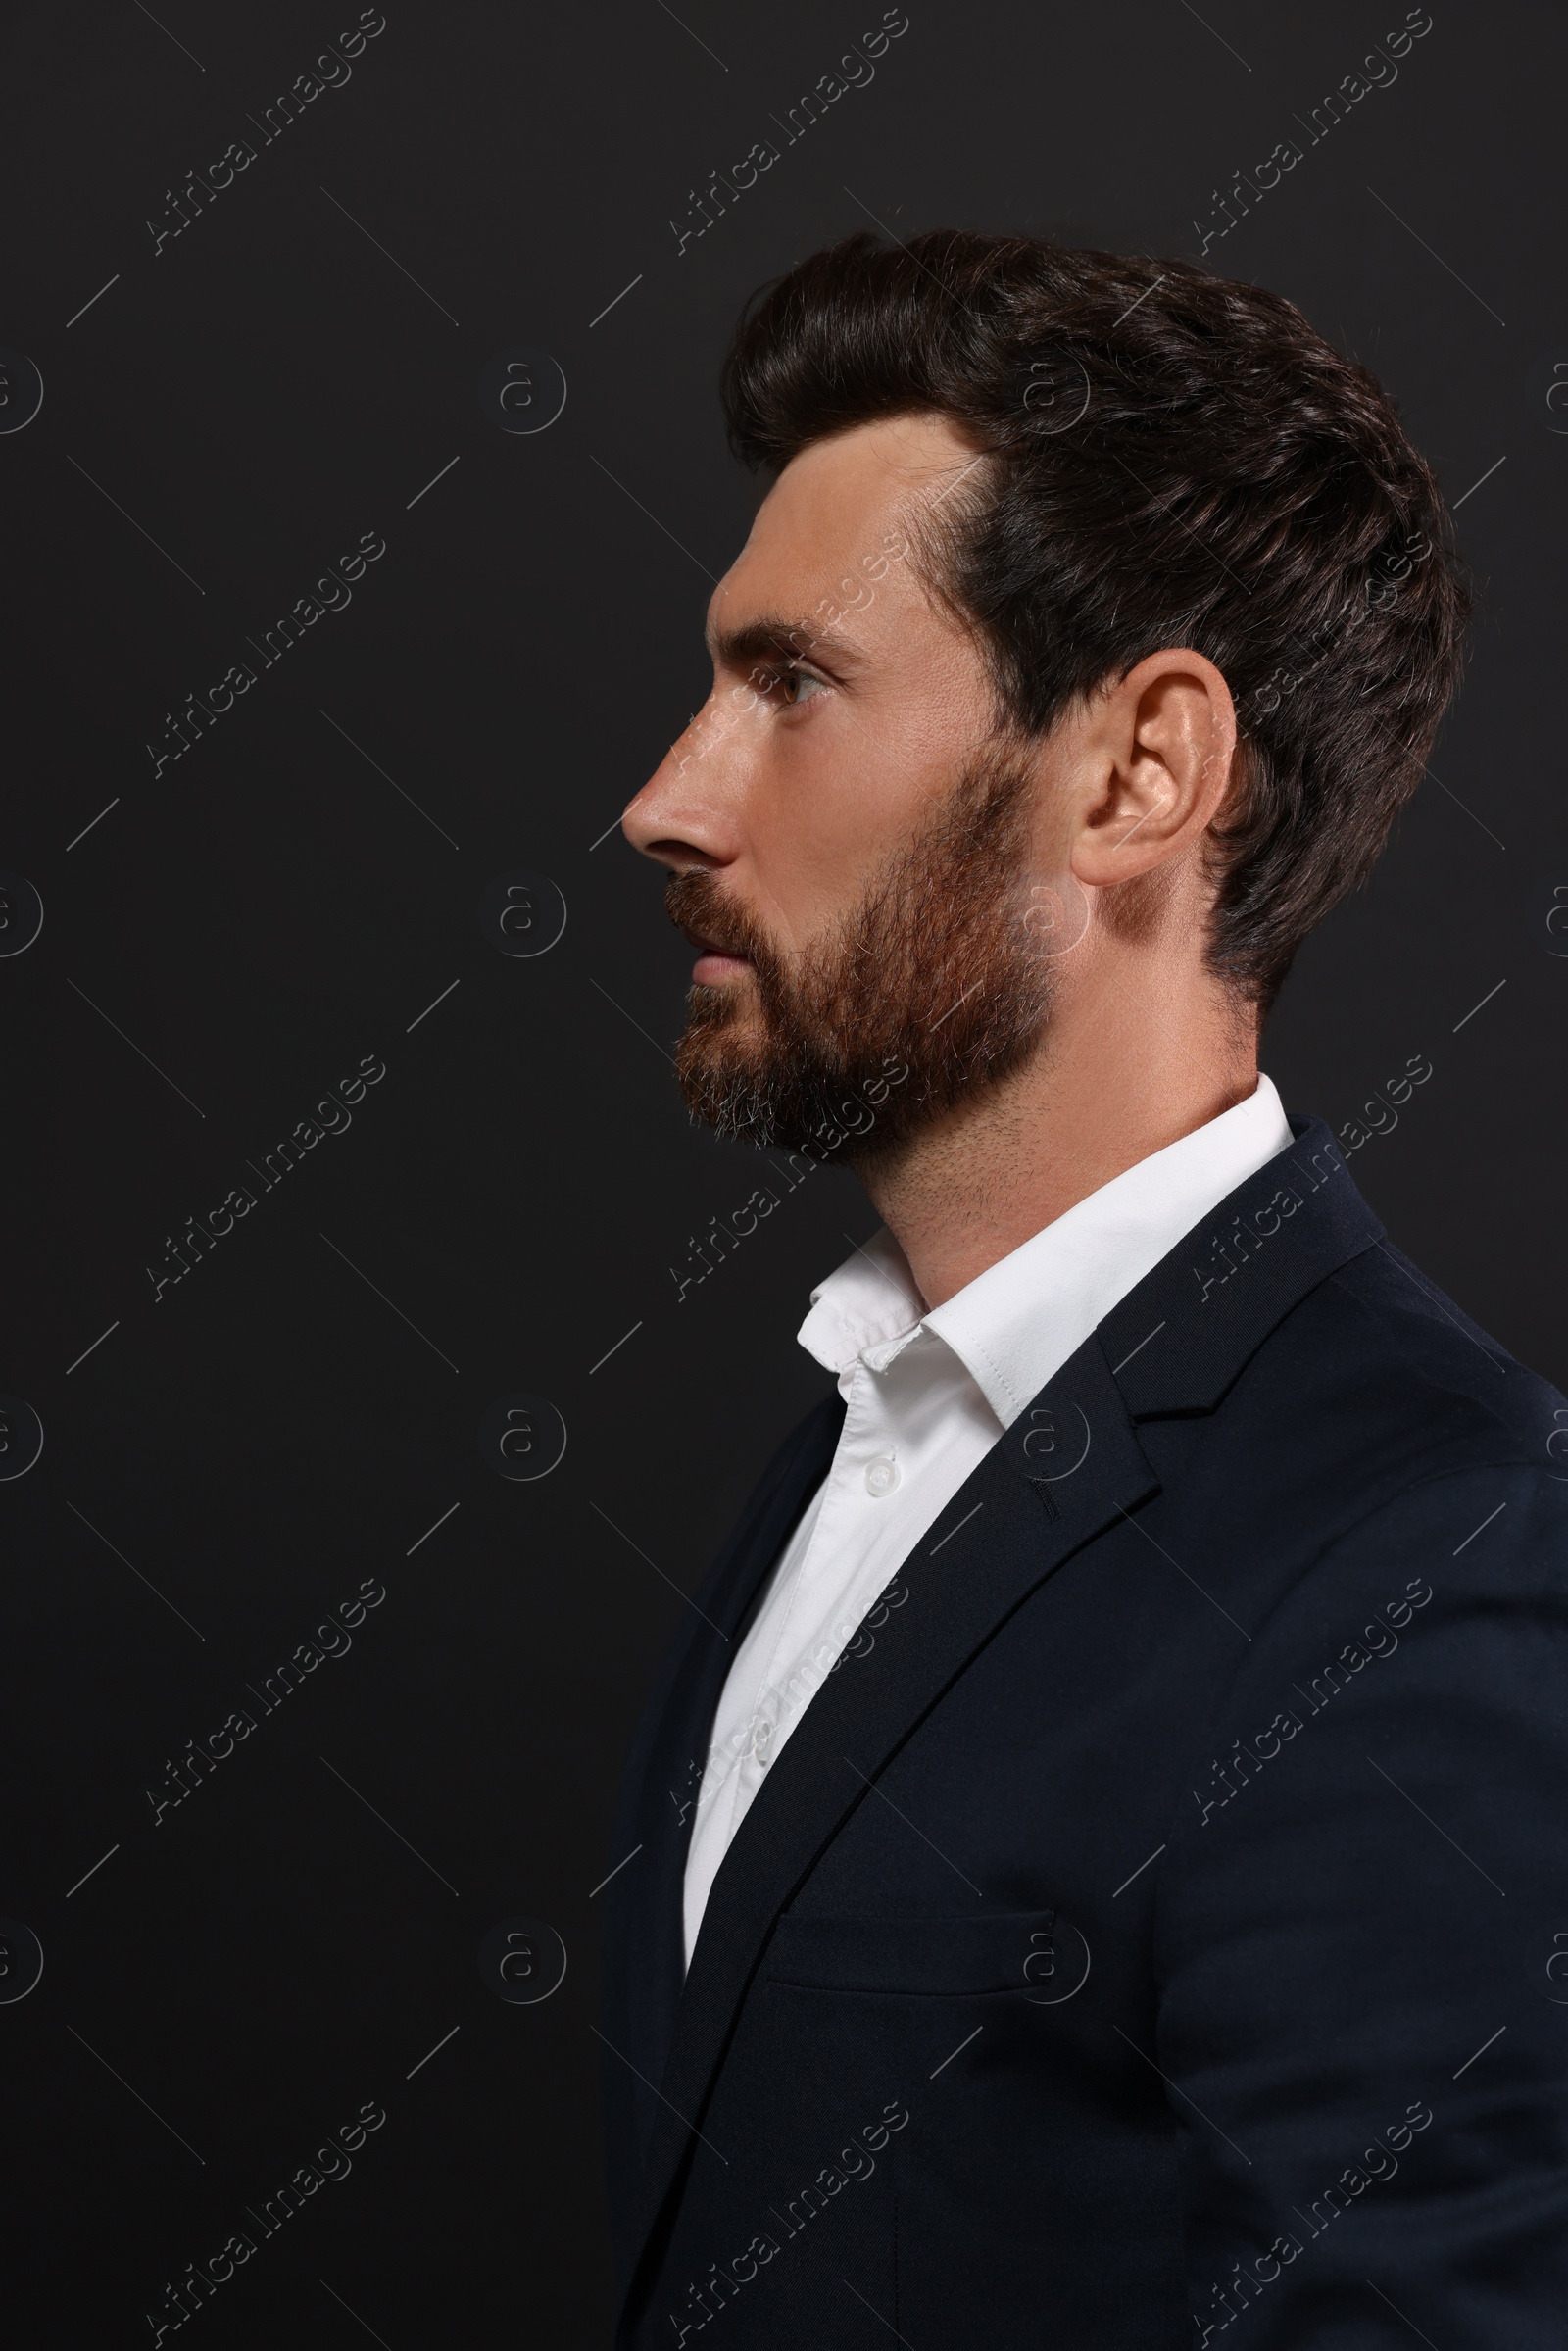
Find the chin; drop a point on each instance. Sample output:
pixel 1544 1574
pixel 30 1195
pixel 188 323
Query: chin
pixel 721 1007
pixel 723 1074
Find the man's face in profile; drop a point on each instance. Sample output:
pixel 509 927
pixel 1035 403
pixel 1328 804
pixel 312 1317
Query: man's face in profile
pixel 852 845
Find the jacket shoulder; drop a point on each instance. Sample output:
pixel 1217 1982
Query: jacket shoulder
pixel 1417 1358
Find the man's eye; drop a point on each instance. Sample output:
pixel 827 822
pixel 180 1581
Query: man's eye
pixel 799 685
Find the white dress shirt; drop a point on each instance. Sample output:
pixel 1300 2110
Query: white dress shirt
pixel 928 1391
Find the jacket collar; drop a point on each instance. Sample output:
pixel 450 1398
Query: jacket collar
pixel 1069 1467
pixel 1190 1328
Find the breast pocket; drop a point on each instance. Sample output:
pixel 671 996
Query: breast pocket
pixel 1040 1956
pixel 947 2052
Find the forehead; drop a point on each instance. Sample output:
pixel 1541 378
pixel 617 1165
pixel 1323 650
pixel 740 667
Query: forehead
pixel 828 515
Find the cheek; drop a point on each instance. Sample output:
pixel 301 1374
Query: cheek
pixel 824 805
pixel 817 838
pixel 853 804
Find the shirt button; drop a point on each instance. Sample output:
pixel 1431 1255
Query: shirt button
pixel 881 1476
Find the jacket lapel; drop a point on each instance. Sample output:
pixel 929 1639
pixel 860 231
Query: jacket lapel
pixel 645 1906
pixel 1069 1467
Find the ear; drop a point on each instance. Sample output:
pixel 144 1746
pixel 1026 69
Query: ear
pixel 1155 761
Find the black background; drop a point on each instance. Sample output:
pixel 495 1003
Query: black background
pixel 222 422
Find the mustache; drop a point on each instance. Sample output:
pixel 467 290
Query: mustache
pixel 697 901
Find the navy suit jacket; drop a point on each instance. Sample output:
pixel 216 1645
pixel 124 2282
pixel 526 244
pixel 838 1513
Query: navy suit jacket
pixel 1157 1923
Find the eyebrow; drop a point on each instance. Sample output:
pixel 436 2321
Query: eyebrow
pixel 770 634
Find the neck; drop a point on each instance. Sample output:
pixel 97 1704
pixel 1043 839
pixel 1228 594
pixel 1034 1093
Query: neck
pixel 1108 1085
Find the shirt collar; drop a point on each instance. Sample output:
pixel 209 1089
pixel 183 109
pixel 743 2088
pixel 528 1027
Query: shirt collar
pixel 1017 1323
pixel 868 1304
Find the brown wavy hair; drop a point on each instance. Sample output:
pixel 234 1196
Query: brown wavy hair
pixel 1174 459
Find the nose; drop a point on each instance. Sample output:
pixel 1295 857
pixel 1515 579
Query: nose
pixel 678 817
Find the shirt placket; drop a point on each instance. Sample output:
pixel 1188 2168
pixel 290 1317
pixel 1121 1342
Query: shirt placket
pixel 840 1534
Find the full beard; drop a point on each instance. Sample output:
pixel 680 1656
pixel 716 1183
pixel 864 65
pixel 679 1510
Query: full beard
pixel 935 974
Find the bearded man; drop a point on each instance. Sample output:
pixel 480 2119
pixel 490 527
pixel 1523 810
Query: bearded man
pixel 1085 1874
